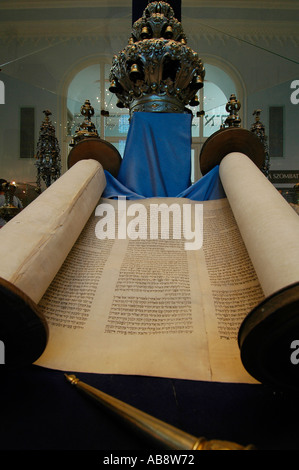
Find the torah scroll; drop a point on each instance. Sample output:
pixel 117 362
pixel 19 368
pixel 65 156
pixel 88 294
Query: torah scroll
pixel 152 308
pixel 270 229
pixel 33 246
pixel 149 307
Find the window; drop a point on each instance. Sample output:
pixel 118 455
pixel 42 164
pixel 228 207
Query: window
pixel 27 144
pixel 276 131
pixel 92 83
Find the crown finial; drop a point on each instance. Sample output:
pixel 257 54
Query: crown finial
pixel 48 160
pixel 232 107
pixel 87 127
pixel 157 71
pixel 258 129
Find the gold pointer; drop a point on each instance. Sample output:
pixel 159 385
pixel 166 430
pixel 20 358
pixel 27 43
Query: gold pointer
pixel 167 435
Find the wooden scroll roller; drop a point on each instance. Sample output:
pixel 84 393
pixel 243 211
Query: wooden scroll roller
pixel 269 335
pixel 23 329
pixel 230 139
pixel 97 149
pixel 33 246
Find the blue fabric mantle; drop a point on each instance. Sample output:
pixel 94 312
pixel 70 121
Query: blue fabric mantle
pixel 157 161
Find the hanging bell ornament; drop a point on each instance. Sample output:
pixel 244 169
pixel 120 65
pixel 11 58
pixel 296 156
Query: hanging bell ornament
pixel 197 83
pixel 145 34
pixel 168 32
pixel 114 87
pixel 120 104
pixel 135 73
pixel 194 101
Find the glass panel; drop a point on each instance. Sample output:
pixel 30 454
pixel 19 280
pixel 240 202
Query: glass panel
pixel 195 128
pixel 213 97
pixel 220 78
pixel 120 146
pixel 117 123
pixel 214 107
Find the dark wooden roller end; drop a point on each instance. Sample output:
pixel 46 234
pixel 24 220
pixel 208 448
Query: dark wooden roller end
pixel 269 340
pixel 96 149
pixel 225 141
pixel 23 330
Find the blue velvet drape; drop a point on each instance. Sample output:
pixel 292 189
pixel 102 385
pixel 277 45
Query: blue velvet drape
pixel 157 161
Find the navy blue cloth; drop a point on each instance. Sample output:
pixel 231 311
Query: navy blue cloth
pixel 157 161
pixel 207 188
pixel 40 411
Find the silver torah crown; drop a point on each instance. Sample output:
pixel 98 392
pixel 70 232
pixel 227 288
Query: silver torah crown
pixel 157 71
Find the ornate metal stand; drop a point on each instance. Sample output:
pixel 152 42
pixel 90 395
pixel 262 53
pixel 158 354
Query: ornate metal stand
pixel 87 129
pixel 231 137
pixel 87 144
pixel 8 210
pixel 48 161
pixel 258 129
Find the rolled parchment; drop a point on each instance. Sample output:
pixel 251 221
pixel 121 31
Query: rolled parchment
pixel 269 335
pixel 33 246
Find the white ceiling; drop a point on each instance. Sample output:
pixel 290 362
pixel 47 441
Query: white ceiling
pixel 74 18
pixel 282 4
